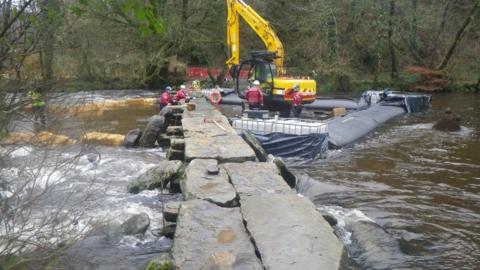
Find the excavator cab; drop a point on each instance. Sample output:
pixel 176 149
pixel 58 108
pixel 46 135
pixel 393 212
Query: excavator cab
pixel 258 68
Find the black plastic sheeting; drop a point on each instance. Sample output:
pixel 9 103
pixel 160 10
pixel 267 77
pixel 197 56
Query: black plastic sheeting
pixel 345 130
pixel 308 146
pixel 353 126
pixel 412 103
pixel 231 99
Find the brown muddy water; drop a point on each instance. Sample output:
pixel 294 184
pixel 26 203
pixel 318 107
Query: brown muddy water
pixel 404 197
pixel 421 187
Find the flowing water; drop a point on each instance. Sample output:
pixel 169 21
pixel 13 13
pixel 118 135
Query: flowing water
pixel 405 197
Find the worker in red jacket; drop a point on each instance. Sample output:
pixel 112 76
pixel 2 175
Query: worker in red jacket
pixel 165 98
pixel 180 94
pixel 254 96
pixel 297 101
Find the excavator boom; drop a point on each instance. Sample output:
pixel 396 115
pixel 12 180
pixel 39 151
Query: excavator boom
pixel 263 66
pixel 237 9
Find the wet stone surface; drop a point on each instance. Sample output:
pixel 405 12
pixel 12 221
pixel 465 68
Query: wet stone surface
pixel 199 184
pixel 212 237
pixel 255 178
pixel 209 135
pixel 290 234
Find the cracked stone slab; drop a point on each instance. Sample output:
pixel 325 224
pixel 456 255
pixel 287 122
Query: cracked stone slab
pixel 225 148
pixel 255 178
pixel 290 234
pixel 212 237
pixel 199 184
pixel 209 135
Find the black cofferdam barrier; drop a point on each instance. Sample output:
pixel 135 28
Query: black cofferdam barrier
pixel 346 130
pixel 307 146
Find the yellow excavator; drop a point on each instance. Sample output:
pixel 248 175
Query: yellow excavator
pixel 264 66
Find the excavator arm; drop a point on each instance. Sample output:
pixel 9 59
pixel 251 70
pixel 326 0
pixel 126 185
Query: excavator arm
pixel 237 9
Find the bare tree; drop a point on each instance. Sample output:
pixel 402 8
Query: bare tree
pixel 393 57
pixel 459 36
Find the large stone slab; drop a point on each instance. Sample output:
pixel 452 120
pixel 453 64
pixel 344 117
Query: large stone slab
pixel 199 184
pixel 209 135
pixel 214 125
pixel 225 148
pixel 255 178
pixel 290 234
pixel 212 237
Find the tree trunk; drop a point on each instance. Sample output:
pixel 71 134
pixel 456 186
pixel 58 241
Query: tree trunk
pixel 220 79
pixel 436 38
pixel 459 36
pixel 7 8
pixel 393 57
pixel 332 37
pixel 413 33
pixel 50 10
pixel 184 11
pixel 477 90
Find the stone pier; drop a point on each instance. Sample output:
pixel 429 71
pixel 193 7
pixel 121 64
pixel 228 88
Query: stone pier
pixel 240 213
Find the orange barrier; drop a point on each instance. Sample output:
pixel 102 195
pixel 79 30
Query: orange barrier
pixel 100 138
pixel 43 138
pixel 97 109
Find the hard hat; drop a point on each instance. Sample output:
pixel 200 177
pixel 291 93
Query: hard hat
pixel 168 88
pixel 182 86
pixel 256 83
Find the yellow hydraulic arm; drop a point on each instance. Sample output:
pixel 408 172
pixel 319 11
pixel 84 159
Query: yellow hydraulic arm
pixel 261 27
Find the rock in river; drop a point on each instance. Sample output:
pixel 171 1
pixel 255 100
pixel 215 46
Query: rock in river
pixel 155 126
pixel 157 176
pixel 132 139
pixel 136 224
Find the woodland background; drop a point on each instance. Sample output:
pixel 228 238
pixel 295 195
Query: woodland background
pixel 343 44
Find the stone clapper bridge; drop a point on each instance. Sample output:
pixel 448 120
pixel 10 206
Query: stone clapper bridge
pixel 239 213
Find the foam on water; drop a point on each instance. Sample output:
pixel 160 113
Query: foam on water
pixel 21 152
pixel 83 193
pixel 343 215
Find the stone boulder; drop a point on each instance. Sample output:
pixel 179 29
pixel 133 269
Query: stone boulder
pixel 155 126
pixel 285 172
pixel 449 122
pixel 262 155
pixel 132 139
pixel 136 224
pixel 170 211
pixel 157 176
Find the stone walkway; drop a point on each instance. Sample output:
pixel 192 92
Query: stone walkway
pixel 240 213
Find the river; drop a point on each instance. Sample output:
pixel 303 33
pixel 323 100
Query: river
pixel 405 197
pixel 422 187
